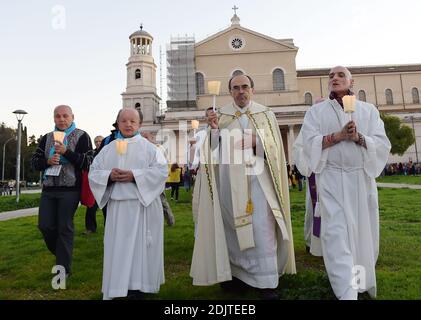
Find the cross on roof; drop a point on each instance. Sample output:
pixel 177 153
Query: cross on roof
pixel 141 26
pixel 235 8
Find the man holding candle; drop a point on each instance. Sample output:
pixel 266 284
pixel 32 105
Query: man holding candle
pixel 129 175
pixel 243 236
pixel 61 156
pixel 346 157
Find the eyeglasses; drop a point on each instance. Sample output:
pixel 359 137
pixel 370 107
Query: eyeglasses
pixel 245 87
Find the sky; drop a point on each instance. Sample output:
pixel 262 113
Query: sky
pixel 74 52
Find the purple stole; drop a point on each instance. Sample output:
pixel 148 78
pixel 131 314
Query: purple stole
pixel 313 194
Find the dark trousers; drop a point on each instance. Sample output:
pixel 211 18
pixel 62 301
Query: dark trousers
pixel 55 221
pixel 174 189
pixel 300 184
pixel 90 217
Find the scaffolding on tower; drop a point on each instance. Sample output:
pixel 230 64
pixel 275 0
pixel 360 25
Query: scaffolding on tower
pixel 181 73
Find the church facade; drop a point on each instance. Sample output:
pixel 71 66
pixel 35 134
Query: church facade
pixel 394 89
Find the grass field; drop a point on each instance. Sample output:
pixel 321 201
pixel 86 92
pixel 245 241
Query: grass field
pixel 25 263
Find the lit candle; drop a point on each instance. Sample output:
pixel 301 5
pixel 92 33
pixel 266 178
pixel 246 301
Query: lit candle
pixel 121 146
pixel 59 136
pixel 213 89
pixel 349 104
pixel 195 126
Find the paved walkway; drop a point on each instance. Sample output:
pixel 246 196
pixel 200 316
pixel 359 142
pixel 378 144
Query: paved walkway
pixel 18 214
pixel 31 191
pixel 399 185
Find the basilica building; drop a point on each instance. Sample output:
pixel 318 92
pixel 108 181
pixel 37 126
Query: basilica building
pixel 288 91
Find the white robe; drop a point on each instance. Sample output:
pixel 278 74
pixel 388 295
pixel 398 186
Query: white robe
pixel 200 138
pixel 133 239
pixel 302 164
pixel 348 201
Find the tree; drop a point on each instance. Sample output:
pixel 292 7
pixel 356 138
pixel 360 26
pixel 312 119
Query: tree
pixel 27 173
pixel 27 152
pixel 400 135
pixel 10 151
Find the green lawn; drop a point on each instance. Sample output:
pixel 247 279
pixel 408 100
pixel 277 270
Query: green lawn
pixel 25 263
pixel 400 179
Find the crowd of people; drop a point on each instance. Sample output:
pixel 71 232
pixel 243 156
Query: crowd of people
pixel 243 236
pixel 7 188
pixel 404 169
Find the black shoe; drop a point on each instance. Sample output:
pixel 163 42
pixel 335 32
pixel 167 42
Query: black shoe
pixel 307 249
pixel 268 294
pixel 135 295
pixel 234 285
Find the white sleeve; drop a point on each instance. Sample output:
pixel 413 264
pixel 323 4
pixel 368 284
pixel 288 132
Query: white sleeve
pixel 150 181
pixel 313 142
pixel 378 146
pixel 98 180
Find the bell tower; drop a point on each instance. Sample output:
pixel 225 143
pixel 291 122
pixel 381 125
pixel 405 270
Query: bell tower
pixel 141 78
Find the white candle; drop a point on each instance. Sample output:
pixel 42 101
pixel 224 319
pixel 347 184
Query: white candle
pixel 213 89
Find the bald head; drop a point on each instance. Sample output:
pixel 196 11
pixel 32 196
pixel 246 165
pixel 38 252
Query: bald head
pixel 129 121
pixel 128 111
pixel 340 80
pixel 346 71
pixel 63 117
pixel 63 107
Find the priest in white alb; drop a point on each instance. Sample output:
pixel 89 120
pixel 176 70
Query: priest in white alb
pixel 128 175
pixel 347 151
pixel 244 234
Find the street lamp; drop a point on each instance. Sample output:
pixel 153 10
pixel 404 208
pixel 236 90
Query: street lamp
pixel 19 116
pixel 4 153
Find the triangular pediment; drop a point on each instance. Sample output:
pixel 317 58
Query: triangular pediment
pixel 251 41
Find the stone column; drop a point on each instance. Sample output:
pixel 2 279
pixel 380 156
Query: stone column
pixel 291 139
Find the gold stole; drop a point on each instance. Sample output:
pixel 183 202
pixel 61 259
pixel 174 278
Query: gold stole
pixel 262 126
pixel 240 182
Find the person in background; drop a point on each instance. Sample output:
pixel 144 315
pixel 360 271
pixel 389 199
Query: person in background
pixel 90 215
pixel 174 178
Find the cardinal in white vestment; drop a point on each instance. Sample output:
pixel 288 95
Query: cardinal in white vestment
pixel 128 176
pixel 244 232
pixel 347 151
